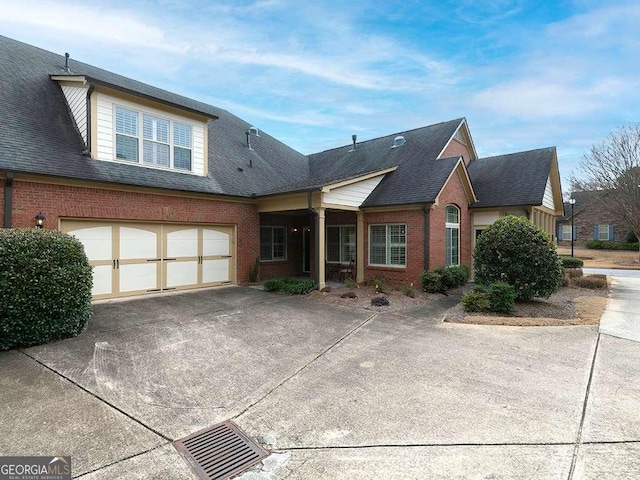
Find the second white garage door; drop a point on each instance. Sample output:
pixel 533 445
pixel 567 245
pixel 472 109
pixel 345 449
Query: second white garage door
pixel 135 258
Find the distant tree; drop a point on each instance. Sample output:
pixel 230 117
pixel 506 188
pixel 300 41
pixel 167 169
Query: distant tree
pixel 613 167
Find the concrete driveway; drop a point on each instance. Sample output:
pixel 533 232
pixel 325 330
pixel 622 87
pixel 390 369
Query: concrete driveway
pixel 349 393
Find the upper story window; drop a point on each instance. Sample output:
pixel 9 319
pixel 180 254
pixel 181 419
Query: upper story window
pixel 160 141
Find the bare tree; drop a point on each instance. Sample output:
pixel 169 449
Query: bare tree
pixel 613 167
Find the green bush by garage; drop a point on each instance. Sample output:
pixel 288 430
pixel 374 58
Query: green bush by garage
pixel 45 287
pixel 444 278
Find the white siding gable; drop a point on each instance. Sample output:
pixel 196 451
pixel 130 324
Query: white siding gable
pixel 354 194
pixel 77 101
pixel 105 132
pixel 547 200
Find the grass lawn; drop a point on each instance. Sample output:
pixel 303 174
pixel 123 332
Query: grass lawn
pixel 603 258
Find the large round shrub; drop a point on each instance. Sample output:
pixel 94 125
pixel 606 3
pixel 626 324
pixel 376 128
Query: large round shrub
pixel 515 251
pixel 45 287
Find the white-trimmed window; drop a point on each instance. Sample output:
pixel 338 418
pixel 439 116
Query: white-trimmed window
pixel 566 232
pixel 603 232
pixel 388 245
pixel 452 238
pixel 160 142
pixel 273 243
pixel 341 243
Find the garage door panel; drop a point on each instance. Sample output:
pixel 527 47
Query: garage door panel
pixel 182 243
pixel 215 242
pixel 180 274
pixel 138 242
pixel 102 280
pixel 214 271
pixel 97 241
pixel 138 276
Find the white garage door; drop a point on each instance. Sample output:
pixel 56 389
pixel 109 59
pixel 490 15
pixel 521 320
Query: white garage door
pixel 135 258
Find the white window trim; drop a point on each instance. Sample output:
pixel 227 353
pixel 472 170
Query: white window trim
pixel 566 233
pixel 279 259
pixel 452 226
pixel 606 229
pixel 172 119
pixel 341 244
pixel 388 246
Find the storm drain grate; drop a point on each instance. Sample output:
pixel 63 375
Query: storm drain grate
pixel 220 452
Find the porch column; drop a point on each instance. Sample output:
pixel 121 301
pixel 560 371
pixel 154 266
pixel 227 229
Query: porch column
pixel 360 247
pixel 322 233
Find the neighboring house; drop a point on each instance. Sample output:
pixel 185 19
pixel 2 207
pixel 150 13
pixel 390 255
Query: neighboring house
pixel 169 193
pixel 591 221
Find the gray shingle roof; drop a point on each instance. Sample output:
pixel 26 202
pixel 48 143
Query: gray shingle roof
pixel 38 135
pixel 583 200
pixel 513 179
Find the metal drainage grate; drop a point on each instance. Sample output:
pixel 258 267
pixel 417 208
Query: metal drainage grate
pixel 220 452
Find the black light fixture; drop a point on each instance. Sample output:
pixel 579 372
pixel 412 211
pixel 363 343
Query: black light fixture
pixel 572 202
pixel 40 218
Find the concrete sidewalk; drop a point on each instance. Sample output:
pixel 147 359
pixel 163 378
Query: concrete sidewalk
pixel 622 315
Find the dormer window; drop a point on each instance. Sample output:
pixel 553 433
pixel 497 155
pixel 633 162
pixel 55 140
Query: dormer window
pixel 161 142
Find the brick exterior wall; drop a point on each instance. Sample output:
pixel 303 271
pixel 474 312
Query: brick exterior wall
pixel 453 193
pixel 455 149
pixel 59 201
pixel 414 219
pixel 585 219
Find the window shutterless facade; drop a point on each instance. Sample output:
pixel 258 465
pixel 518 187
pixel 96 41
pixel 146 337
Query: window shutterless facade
pixel 341 243
pixel 388 245
pixel 452 238
pixel 273 243
pixel 148 139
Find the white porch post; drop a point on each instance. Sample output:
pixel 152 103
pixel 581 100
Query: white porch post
pixel 360 247
pixel 322 232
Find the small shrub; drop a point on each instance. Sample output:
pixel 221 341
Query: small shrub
pixel 631 238
pixel 379 284
pixel 602 245
pixel 476 301
pixel 502 297
pixel 45 287
pixel 595 244
pixel 254 270
pixel 594 282
pixel 350 283
pixel 408 290
pixel 571 262
pixel 380 301
pixel 452 277
pixel 293 286
pixel 432 282
pixel 515 251
pixel 573 272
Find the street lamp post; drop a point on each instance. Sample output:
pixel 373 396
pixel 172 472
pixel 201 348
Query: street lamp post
pixel 572 201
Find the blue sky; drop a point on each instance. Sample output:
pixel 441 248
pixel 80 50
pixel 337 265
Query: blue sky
pixel 525 74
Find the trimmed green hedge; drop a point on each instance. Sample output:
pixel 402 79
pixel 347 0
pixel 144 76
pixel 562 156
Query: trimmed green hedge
pixel 444 278
pixel 496 297
pixel 45 287
pixel 294 286
pixel 571 262
pixel 602 245
pixel 515 251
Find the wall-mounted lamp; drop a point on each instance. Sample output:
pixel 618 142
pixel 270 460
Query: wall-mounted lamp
pixel 40 218
pixel 294 230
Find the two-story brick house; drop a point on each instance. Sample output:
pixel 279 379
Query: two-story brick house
pixel 166 192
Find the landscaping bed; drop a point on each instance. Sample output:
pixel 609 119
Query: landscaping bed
pixel 568 306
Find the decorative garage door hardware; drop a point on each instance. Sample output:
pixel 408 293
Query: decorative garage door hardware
pixel 220 452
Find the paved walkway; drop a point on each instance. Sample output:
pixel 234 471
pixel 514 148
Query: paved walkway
pixel 622 316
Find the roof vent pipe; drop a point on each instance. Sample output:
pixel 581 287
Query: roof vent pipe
pixel 66 63
pixel 353 138
pixel 398 141
pixel 251 130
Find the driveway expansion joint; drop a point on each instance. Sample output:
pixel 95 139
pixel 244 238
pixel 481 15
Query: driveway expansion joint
pixel 304 367
pixel 578 441
pixel 123 459
pixel 100 399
